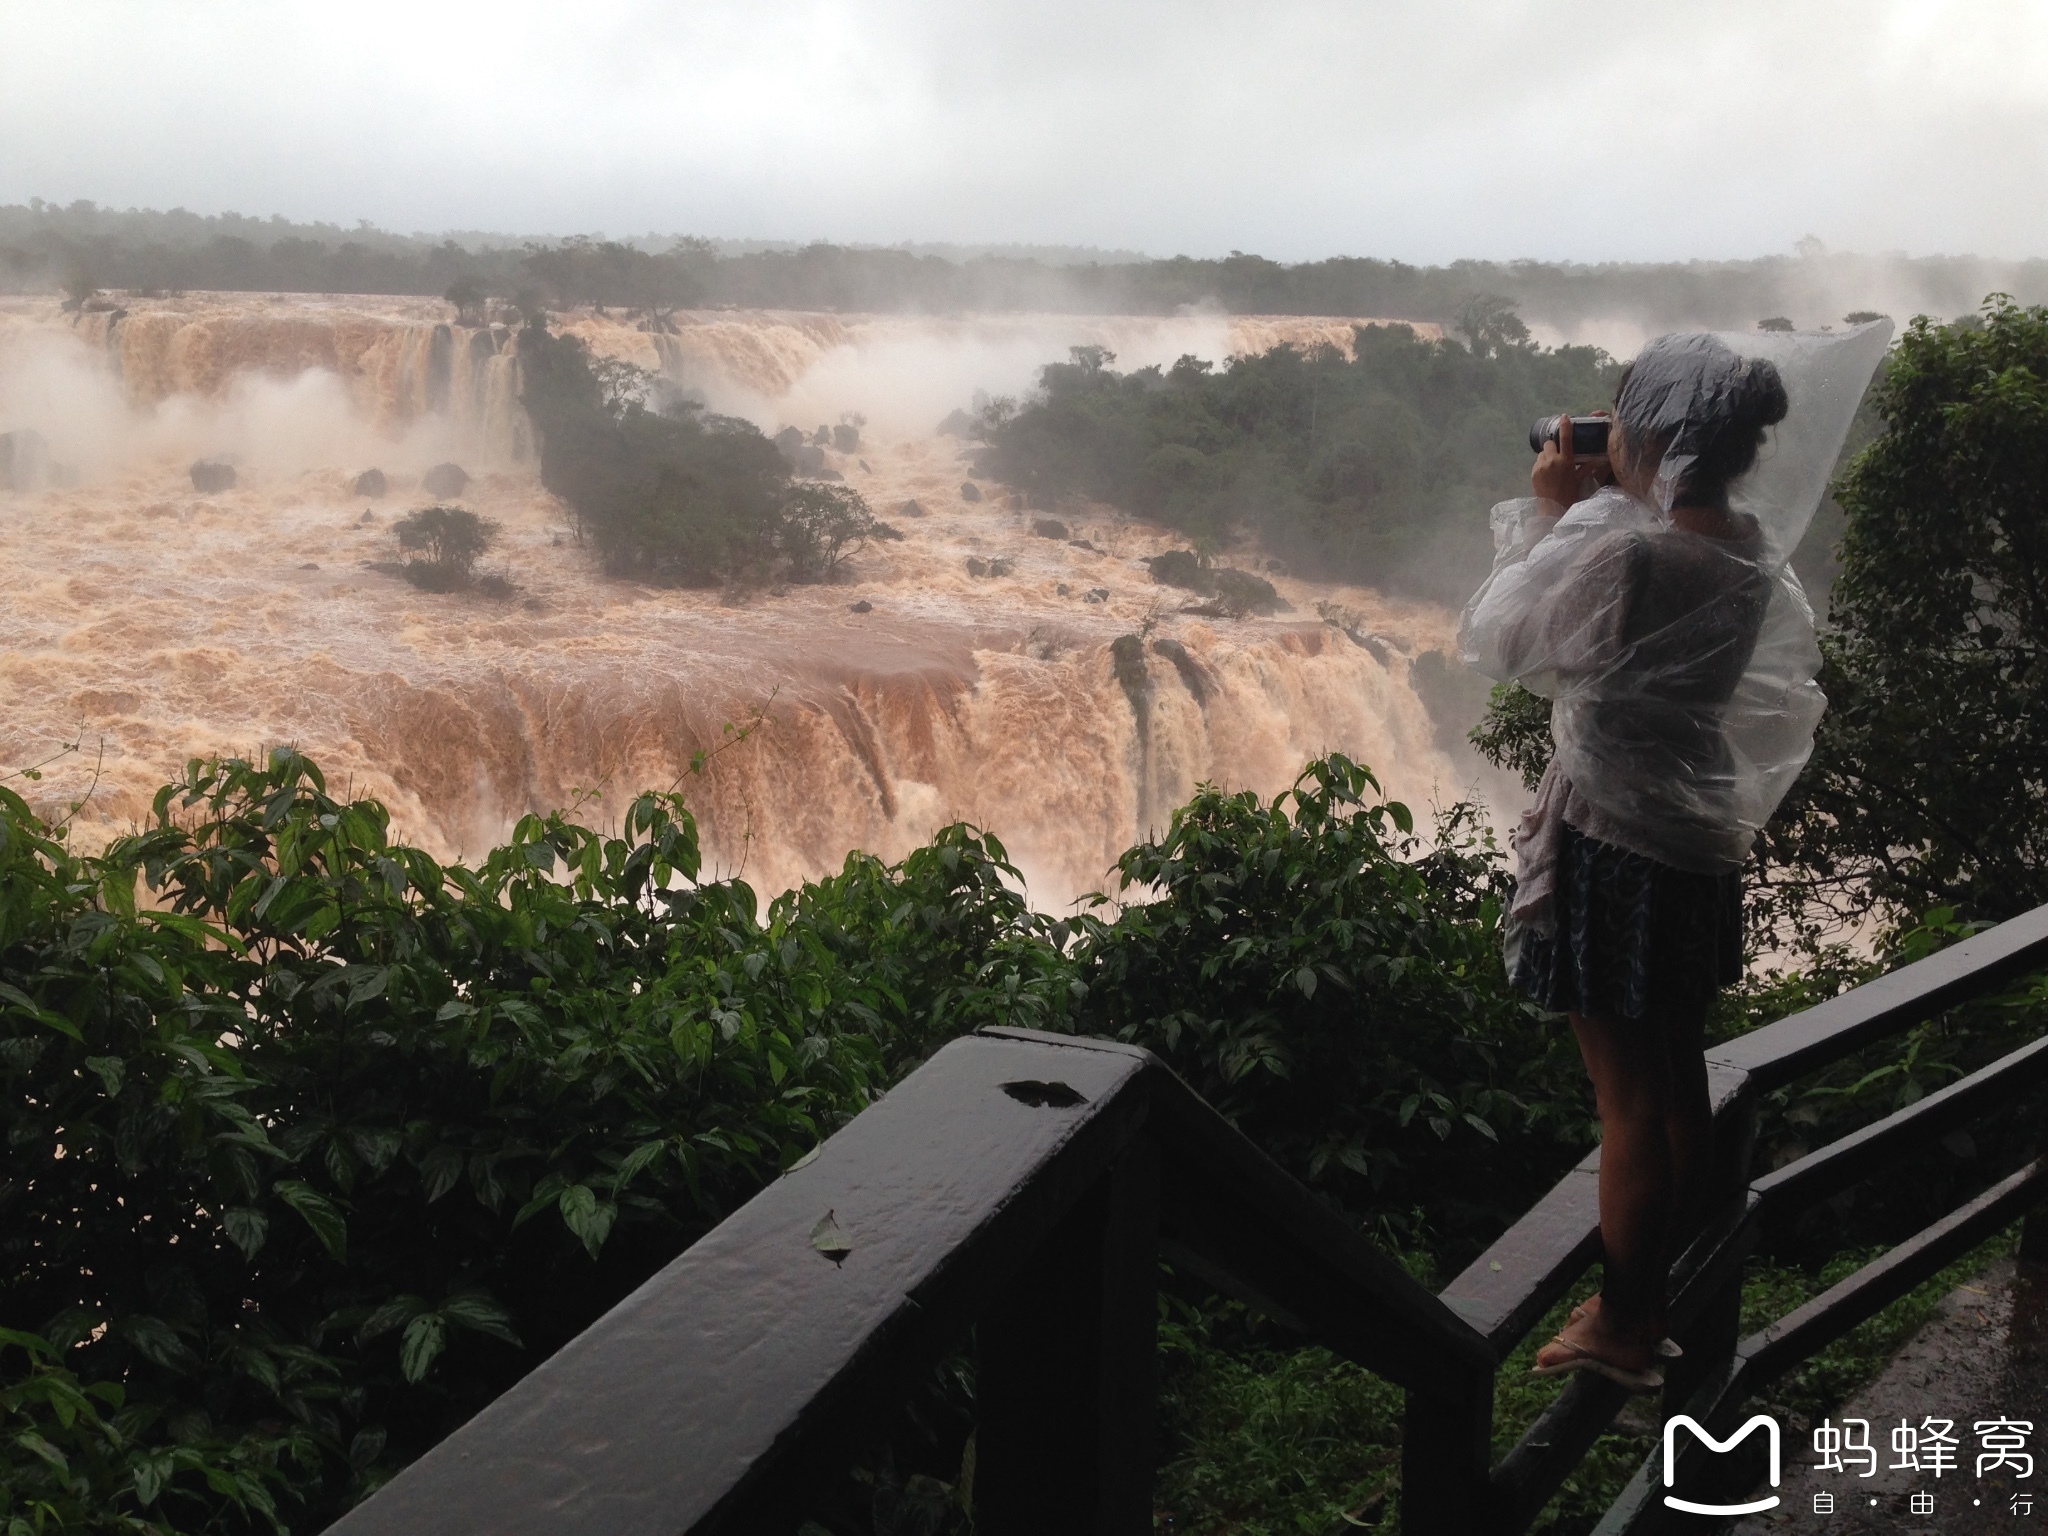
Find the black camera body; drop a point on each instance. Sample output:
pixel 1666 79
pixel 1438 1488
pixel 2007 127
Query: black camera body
pixel 1589 435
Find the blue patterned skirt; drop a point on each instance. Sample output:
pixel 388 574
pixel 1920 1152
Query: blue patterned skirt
pixel 1633 936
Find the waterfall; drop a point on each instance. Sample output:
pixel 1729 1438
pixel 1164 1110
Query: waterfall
pixel 1068 705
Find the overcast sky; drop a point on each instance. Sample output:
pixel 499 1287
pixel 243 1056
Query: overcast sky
pixel 1423 129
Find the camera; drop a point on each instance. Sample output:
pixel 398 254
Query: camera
pixel 1589 434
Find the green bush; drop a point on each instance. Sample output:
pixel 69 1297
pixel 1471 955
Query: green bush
pixel 442 546
pixel 1925 785
pixel 316 1145
pixel 679 499
pixel 1334 985
pixel 820 527
pixel 323 1145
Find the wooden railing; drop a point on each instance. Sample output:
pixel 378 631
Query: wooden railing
pixel 1508 1288
pixel 1028 1185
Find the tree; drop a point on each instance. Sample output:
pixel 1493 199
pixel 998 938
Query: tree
pixel 443 545
pixel 79 288
pixel 1515 734
pixel 1332 982
pixel 823 525
pixel 1489 324
pixel 1373 467
pixel 1774 323
pixel 467 293
pixel 1925 787
pixel 456 1114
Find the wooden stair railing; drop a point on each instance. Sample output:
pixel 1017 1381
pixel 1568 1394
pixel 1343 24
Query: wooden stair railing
pixel 1027 1185
pixel 1505 1291
pixel 1024 1182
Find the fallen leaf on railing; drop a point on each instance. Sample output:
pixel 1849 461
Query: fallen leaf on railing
pixel 1043 1095
pixel 830 1239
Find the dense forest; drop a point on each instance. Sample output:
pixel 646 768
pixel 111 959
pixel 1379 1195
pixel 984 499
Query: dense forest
pixel 80 247
pixel 1375 468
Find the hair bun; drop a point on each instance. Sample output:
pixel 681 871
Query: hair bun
pixel 1758 393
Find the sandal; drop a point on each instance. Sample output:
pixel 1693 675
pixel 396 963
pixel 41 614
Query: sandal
pixel 1667 1346
pixel 1648 1379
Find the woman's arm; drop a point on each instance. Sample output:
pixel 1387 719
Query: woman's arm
pixel 1543 611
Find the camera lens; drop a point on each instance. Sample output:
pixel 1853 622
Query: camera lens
pixel 1588 434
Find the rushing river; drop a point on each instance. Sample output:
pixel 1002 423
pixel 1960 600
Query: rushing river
pixel 152 622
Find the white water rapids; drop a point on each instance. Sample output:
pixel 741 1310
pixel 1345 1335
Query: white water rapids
pixel 153 623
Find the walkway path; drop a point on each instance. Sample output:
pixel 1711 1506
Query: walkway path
pixel 1984 1356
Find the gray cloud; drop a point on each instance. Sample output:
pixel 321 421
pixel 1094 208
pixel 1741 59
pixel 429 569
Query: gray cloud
pixel 1297 128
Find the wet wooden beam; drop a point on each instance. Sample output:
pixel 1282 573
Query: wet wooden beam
pixel 1855 1157
pixel 1803 1333
pixel 1805 1041
pixel 1065 1365
pixel 1236 1218
pixel 716 1396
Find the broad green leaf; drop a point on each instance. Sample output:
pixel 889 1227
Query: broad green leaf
pixel 476 1311
pixel 110 1070
pixel 246 1227
pixel 375 1145
pixel 425 1337
pixel 640 1157
pixel 34 1343
pixel 399 1310
pixel 319 1214
pixel 439 1171
pixel 587 1216
pixel 152 1472
pixel 156 1340
pixel 37 1446
pixel 367 1446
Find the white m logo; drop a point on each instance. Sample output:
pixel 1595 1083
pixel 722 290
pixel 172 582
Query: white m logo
pixel 1671 1462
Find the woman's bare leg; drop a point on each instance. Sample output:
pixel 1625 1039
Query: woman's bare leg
pixel 1631 1069
pixel 1691 1125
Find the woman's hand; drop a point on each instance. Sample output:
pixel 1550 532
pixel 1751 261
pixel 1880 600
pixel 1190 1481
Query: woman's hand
pixel 1561 477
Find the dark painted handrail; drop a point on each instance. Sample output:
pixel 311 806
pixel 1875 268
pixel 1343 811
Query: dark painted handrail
pixel 1806 1041
pixel 1027 1185
pixel 1026 1181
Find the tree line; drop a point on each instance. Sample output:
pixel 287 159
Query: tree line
pixel 81 248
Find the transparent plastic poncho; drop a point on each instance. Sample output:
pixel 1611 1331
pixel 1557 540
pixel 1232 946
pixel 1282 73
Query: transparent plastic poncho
pixel 1681 667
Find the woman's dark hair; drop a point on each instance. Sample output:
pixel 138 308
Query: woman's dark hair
pixel 1691 398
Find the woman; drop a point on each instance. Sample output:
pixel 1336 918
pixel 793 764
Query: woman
pixel 1635 593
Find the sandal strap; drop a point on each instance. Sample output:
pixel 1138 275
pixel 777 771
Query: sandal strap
pixel 1601 1362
